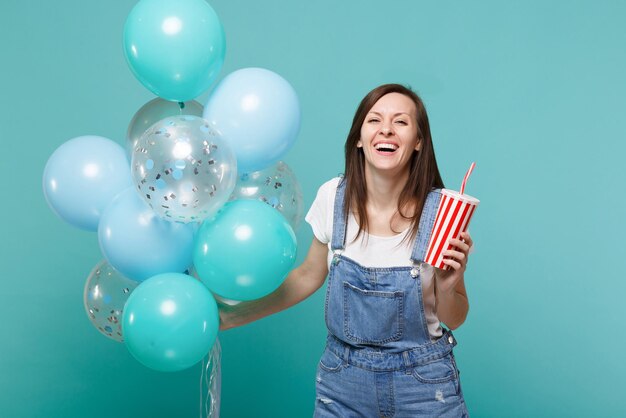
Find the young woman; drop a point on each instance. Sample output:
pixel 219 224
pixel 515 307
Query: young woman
pixel 386 354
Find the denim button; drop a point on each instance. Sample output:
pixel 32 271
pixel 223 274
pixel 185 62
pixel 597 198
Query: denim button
pixel 414 272
pixel 450 339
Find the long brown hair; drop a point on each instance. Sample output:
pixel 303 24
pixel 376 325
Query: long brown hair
pixel 423 172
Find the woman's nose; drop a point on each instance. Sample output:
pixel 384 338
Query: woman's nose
pixel 386 130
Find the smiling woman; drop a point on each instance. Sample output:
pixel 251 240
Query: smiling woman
pixel 390 117
pixel 387 353
pixel 389 130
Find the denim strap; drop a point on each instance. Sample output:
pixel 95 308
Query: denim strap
pixel 340 225
pixel 425 230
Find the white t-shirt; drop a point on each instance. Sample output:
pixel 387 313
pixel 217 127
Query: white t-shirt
pixel 371 250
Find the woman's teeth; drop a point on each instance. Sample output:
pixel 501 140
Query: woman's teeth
pixel 384 147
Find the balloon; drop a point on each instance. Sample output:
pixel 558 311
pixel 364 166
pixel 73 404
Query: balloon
pixel 174 48
pixel 82 176
pixel 139 244
pixel 170 322
pixel 245 251
pixel 277 186
pixel 106 292
pixel 258 114
pixel 183 169
pixel 154 111
pixel 218 299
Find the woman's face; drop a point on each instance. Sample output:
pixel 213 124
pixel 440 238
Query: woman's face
pixel 389 134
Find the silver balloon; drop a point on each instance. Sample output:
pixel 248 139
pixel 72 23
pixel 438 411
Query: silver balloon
pixel 277 186
pixel 154 111
pixel 105 294
pixel 183 169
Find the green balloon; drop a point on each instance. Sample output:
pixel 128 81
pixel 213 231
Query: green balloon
pixel 245 251
pixel 170 322
pixel 175 48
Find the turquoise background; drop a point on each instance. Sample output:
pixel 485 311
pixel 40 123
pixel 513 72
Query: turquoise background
pixel 533 91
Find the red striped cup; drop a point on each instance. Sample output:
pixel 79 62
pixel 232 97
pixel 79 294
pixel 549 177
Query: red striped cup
pixel 453 217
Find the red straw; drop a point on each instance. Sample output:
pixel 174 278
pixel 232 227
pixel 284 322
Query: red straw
pixel 467 176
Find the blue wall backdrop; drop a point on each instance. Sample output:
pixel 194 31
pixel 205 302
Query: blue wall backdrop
pixel 533 91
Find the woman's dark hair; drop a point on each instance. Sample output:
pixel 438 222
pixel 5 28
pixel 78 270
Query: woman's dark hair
pixel 423 172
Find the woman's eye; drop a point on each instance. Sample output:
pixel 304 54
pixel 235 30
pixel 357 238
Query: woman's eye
pixel 402 122
pixel 373 120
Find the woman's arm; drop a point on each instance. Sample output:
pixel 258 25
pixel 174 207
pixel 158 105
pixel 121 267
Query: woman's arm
pixel 452 304
pixel 301 283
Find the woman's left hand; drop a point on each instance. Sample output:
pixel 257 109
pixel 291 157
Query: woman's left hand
pixel 456 258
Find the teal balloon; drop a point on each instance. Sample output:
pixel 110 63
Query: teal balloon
pixel 245 251
pixel 170 322
pixel 174 48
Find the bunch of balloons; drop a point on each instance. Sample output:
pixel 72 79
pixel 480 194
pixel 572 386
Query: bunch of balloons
pixel 195 188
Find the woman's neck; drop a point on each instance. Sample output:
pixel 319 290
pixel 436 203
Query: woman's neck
pixel 383 190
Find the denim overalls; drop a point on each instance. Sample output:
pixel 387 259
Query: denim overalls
pixel 379 359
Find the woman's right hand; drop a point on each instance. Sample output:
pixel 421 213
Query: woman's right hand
pixel 221 310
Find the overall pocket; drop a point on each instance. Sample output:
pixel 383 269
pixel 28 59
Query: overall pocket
pixel 438 371
pixel 372 317
pixel 330 361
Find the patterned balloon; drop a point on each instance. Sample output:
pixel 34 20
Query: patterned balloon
pixel 277 186
pixel 183 169
pixel 106 292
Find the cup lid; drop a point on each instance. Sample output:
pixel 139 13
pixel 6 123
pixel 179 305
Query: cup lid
pixel 457 195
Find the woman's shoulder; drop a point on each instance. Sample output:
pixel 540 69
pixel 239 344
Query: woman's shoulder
pixel 329 188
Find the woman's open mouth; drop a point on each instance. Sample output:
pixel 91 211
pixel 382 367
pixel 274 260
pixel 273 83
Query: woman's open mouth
pixel 385 148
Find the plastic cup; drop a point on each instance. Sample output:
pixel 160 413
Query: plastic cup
pixel 453 217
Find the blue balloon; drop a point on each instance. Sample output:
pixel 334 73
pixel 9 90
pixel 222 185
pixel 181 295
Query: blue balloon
pixel 170 322
pixel 244 252
pixel 175 48
pixel 258 114
pixel 82 177
pixel 138 243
